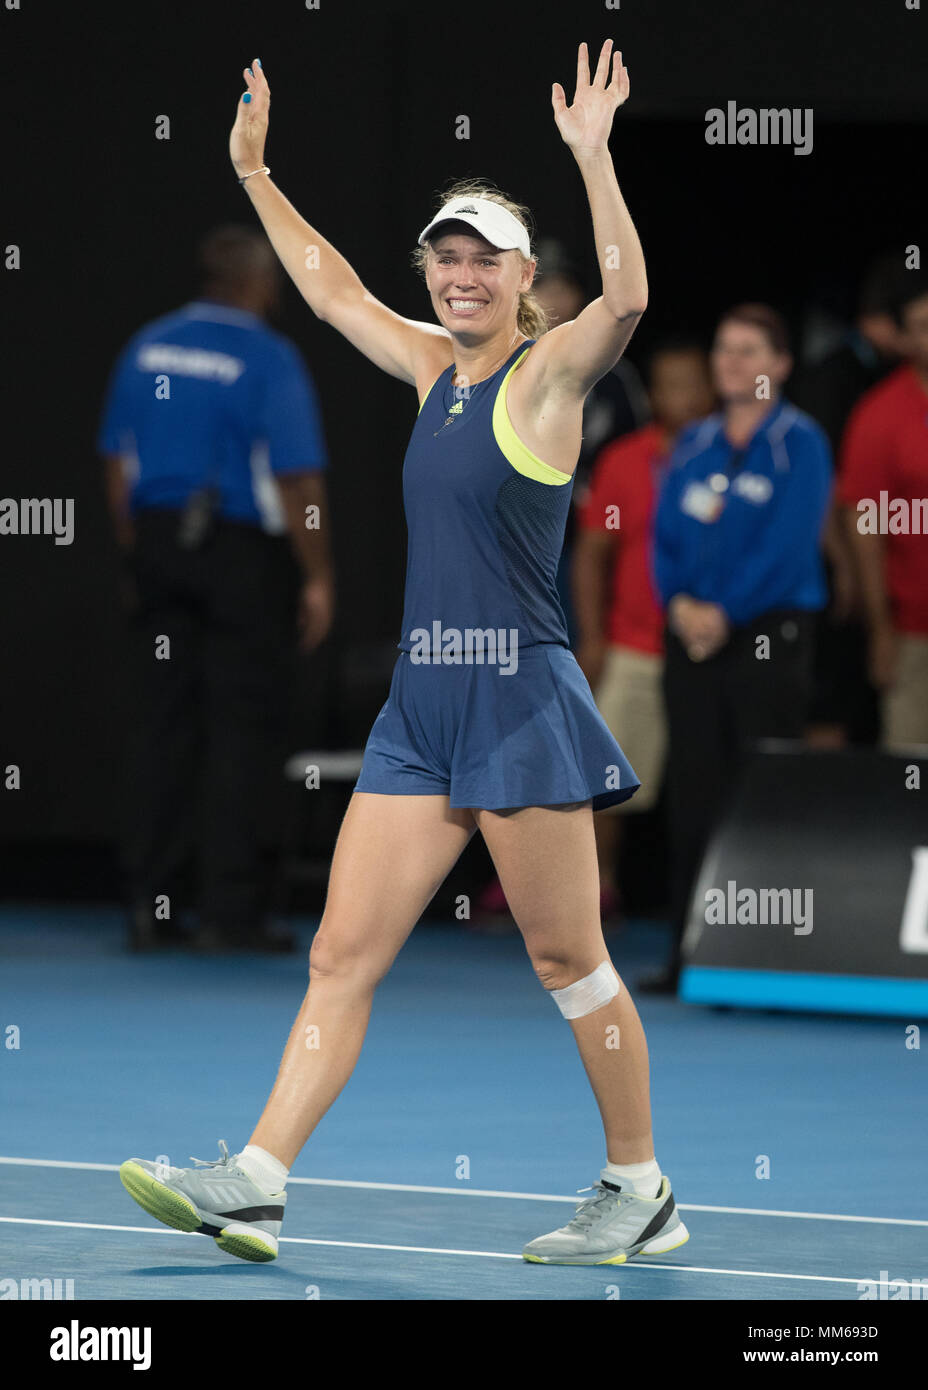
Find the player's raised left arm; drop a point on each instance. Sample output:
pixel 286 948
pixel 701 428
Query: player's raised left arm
pixel 578 353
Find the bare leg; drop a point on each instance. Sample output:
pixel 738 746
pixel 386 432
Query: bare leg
pixel 391 856
pixel 608 830
pixel 546 860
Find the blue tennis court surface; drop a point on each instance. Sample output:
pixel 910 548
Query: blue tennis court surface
pixel 467 1066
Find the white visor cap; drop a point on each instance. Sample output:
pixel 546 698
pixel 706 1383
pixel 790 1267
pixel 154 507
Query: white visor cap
pixel 488 219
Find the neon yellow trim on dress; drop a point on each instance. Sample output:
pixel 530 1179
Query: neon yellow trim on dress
pixel 425 397
pixel 517 453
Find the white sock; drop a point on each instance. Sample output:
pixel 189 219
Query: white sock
pixel 263 1168
pixel 646 1177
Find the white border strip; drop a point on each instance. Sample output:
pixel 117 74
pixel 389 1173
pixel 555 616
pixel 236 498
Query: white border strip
pixel 489 1192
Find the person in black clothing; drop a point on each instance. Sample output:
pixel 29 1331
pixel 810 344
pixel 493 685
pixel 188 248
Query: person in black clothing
pixel 829 389
pixel 214 473
pixel 845 705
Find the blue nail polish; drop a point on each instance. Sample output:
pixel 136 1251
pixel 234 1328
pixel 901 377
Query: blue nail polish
pixel 247 96
pixel 258 61
pixel 250 73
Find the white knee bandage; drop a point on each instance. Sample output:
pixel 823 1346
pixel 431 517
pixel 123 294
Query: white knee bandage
pixel 592 992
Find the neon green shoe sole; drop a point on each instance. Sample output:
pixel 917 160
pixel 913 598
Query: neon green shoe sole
pixel 241 1242
pixel 159 1201
pixel 173 1209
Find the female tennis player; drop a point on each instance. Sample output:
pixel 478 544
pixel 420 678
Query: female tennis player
pixel 490 724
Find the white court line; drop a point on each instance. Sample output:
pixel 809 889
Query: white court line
pixel 489 1192
pixel 433 1250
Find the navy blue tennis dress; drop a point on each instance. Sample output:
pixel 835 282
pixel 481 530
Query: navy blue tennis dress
pixel 487 704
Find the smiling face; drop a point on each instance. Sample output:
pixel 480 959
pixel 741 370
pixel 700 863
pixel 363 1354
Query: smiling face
pixel 475 287
pixel 741 353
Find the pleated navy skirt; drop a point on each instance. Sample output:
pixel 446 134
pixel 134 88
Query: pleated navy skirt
pixel 532 737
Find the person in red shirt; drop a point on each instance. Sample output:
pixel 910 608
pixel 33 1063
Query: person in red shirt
pixel 883 485
pixel 620 647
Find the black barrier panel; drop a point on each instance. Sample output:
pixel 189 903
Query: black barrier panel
pixel 819 869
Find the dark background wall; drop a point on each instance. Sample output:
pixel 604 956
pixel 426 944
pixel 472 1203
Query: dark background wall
pixel 362 135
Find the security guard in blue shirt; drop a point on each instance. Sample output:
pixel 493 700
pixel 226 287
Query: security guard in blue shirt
pixel 214 467
pixel 737 558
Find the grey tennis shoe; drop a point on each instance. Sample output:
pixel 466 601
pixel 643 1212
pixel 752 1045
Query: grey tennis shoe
pixel 612 1226
pixel 215 1199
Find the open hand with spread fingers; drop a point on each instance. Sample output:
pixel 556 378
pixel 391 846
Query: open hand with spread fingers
pixel 585 126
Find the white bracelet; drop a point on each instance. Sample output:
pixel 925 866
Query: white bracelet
pixel 263 170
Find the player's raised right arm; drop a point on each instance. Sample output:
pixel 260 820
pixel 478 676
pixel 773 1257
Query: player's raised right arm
pixel 323 277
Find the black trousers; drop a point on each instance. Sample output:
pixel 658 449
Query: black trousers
pixel 212 639
pixel 716 710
